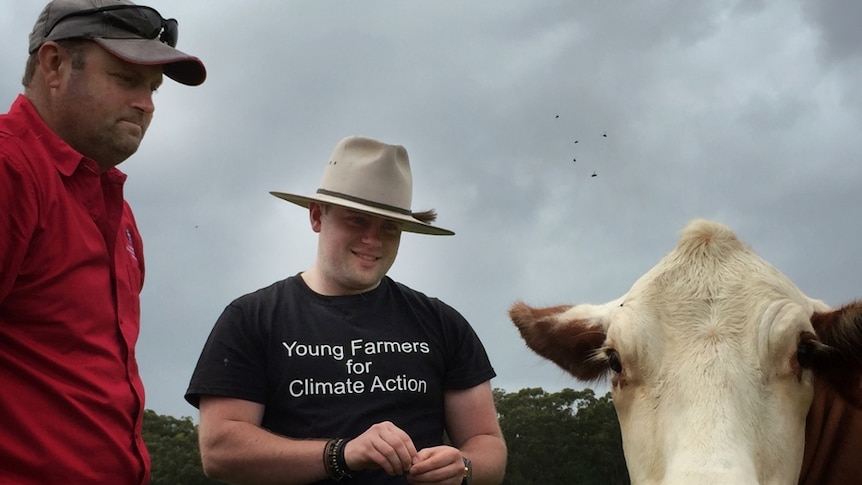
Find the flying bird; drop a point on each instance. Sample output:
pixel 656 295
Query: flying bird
pixel 594 174
pixel 605 135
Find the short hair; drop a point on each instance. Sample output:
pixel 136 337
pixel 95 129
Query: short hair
pixel 76 48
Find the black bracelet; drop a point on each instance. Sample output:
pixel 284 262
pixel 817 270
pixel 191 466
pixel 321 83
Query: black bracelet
pixel 334 461
pixel 343 469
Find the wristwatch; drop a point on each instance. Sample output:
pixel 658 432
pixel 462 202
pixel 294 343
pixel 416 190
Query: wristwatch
pixel 468 471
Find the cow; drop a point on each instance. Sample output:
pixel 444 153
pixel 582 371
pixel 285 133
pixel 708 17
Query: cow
pixel 722 371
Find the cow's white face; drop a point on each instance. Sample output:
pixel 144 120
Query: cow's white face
pixel 707 384
pixel 704 357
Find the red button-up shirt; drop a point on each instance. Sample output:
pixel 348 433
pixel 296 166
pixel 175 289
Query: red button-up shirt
pixel 71 272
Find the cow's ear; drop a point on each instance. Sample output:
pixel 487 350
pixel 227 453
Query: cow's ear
pixel 841 330
pixel 569 341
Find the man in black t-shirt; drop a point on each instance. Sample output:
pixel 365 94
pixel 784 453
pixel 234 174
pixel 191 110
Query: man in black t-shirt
pixel 339 372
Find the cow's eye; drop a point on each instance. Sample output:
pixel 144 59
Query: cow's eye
pixel 811 353
pixel 614 361
pixel 805 353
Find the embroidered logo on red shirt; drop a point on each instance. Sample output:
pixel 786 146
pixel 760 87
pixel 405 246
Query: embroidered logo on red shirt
pixel 130 246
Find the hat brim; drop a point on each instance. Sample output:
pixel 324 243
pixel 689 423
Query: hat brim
pixel 408 223
pixel 179 66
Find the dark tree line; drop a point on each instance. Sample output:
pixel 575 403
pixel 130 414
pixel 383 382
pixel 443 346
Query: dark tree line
pixel 173 446
pixel 567 437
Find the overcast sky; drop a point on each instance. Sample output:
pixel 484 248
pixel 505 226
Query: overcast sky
pixel 746 112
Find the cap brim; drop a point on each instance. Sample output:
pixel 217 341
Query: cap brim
pixel 408 223
pixel 179 66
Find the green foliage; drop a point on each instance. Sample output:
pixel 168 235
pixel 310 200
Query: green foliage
pixel 173 446
pixel 568 437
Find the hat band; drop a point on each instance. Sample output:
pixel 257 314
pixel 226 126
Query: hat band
pixel 371 203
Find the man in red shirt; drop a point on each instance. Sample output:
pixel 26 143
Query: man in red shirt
pixel 71 261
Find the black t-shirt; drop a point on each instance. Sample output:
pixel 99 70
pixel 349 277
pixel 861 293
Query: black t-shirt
pixel 327 367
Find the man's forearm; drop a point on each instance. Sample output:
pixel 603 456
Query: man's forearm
pixel 241 453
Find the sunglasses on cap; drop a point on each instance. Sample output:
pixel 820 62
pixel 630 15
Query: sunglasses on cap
pixel 140 20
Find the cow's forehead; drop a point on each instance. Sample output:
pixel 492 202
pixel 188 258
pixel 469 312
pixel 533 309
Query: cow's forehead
pixel 711 281
pixel 710 264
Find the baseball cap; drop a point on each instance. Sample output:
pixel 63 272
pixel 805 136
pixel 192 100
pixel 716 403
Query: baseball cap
pixel 134 33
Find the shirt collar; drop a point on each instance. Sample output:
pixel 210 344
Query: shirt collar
pixel 66 158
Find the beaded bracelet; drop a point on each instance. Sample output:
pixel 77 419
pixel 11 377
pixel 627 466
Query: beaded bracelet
pixel 334 461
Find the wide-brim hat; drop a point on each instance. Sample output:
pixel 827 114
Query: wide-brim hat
pixel 112 24
pixel 371 177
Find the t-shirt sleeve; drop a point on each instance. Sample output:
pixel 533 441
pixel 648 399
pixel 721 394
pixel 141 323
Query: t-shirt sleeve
pixel 232 363
pixel 470 365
